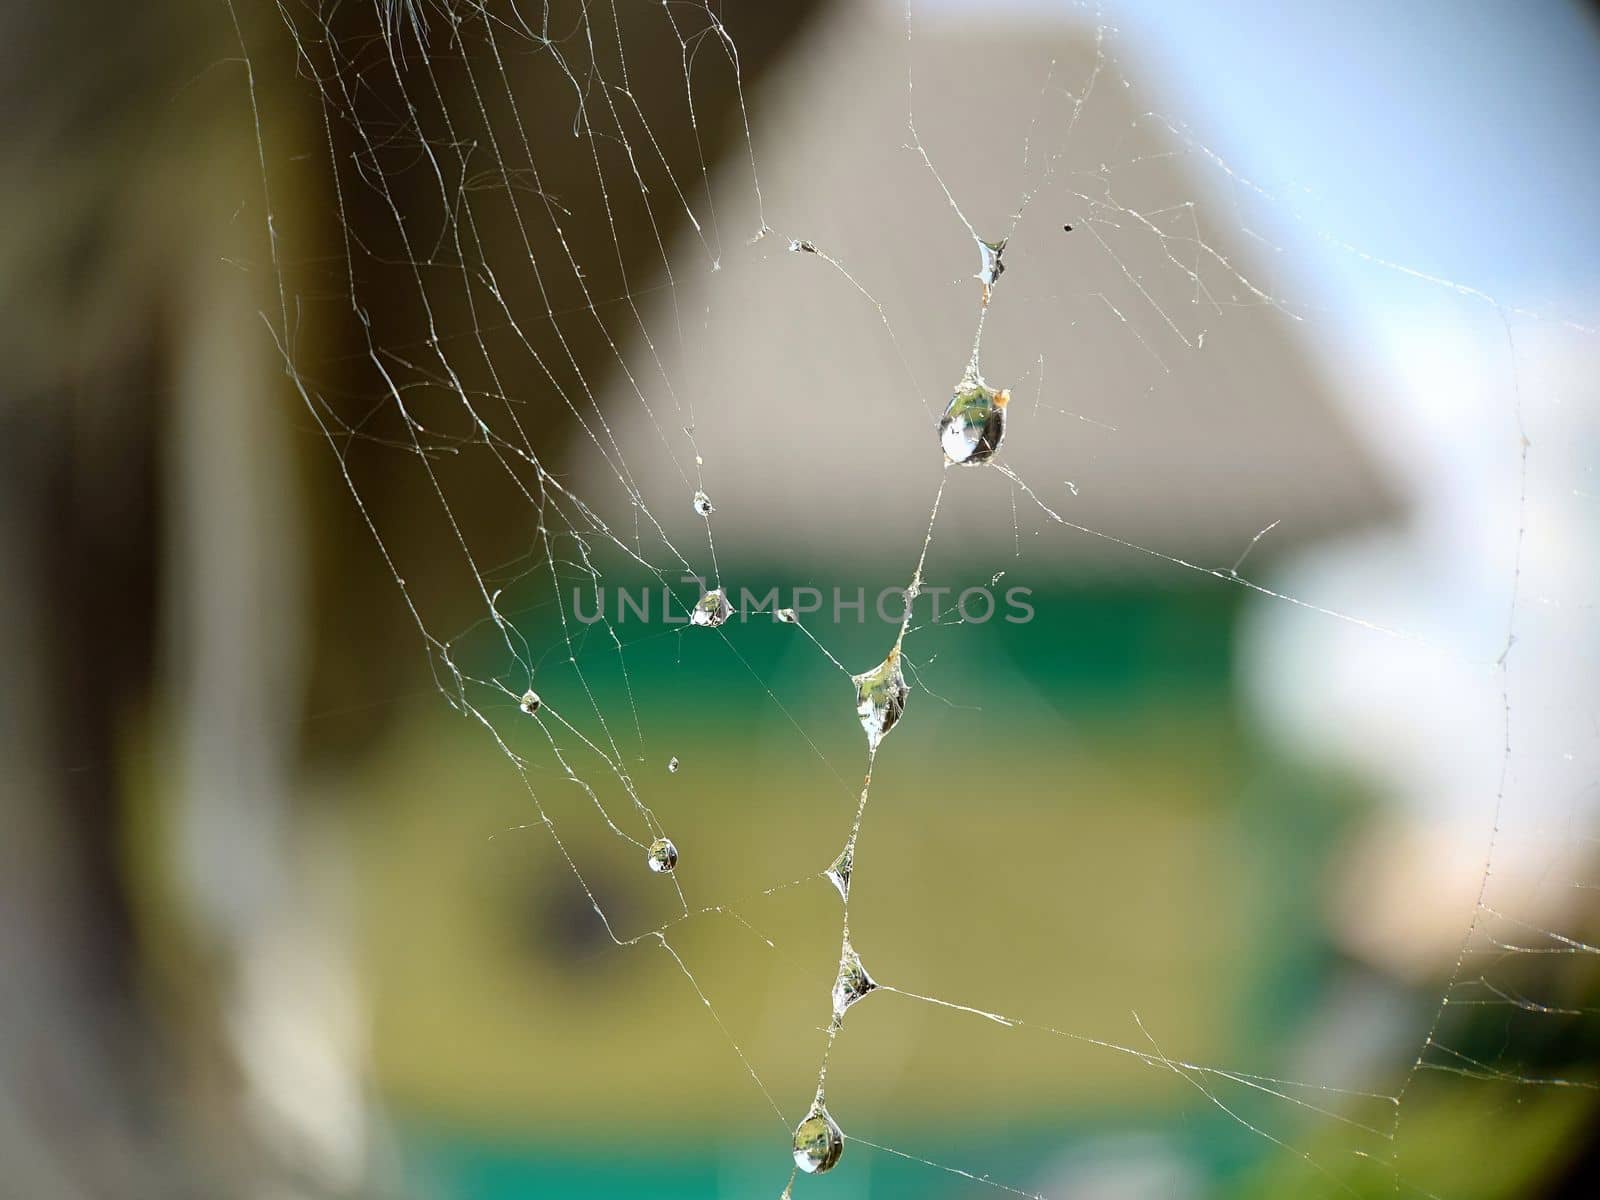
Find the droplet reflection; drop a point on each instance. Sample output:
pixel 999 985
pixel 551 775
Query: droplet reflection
pixel 712 609
pixel 880 698
pixel 975 422
pixel 818 1142
pixel 853 982
pixel 662 856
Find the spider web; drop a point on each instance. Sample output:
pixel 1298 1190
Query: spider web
pixel 479 379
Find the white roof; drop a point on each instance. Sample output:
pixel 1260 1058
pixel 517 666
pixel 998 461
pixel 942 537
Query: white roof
pixel 1185 405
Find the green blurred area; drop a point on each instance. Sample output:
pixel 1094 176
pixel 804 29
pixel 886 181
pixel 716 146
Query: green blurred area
pixel 1079 832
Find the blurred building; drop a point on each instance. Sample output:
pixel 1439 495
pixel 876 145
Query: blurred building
pixel 276 920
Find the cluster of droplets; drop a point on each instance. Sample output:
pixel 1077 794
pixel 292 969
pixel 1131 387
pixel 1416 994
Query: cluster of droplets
pixel 880 700
pixel 970 433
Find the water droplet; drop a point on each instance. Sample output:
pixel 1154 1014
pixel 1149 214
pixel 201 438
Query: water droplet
pixel 712 609
pixel 838 872
pixel 672 765
pixel 703 505
pixel 662 856
pixel 990 268
pixel 796 247
pixel 818 1142
pixel 973 425
pixel 853 982
pixel 880 698
pixel 530 702
pixel 787 616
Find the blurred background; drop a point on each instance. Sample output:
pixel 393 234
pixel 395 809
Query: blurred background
pixel 1273 833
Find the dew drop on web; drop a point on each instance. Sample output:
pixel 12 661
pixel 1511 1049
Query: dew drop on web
pixel 990 268
pixel 853 982
pixel 662 856
pixel 973 425
pixel 818 1142
pixel 672 765
pixel 787 616
pixel 880 698
pixel 530 702
pixel 703 505
pixel 838 872
pixel 712 609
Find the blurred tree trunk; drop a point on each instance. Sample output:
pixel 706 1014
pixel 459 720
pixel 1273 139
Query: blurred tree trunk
pixel 186 577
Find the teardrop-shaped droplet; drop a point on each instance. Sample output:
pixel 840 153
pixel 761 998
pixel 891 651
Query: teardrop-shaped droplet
pixel 990 268
pixel 712 609
pixel 973 425
pixel 662 855
pixel 838 872
pixel 787 615
pixel 703 505
pixel 818 1142
pixel 530 702
pixel 853 982
pixel 880 698
pixel 672 765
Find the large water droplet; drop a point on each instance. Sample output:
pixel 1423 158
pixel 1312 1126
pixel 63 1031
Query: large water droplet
pixel 818 1142
pixel 973 425
pixel 787 616
pixel 672 765
pixel 530 702
pixel 662 855
pixel 838 872
pixel 880 697
pixel 703 505
pixel 712 609
pixel 853 982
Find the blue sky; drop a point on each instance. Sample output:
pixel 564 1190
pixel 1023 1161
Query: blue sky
pixel 1457 138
